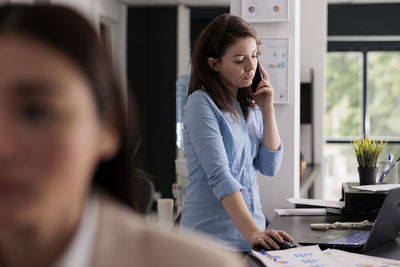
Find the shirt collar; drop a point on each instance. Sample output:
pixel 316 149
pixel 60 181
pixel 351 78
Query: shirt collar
pixel 79 251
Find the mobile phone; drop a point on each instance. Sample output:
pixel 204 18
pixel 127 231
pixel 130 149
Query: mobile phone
pixel 257 78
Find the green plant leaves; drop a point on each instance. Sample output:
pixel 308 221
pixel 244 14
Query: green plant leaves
pixel 367 151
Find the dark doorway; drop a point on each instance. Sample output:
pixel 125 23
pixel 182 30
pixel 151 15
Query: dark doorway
pixel 151 72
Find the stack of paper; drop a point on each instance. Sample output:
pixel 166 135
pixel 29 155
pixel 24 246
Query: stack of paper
pixel 309 256
pixel 331 206
pixel 356 260
pixel 376 187
pixel 290 212
pixel 301 256
pixel 317 202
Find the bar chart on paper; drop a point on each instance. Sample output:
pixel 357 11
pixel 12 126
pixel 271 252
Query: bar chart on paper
pixel 310 256
pixel 273 55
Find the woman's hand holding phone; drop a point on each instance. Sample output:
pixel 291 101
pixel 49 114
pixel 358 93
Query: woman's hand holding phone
pixel 264 93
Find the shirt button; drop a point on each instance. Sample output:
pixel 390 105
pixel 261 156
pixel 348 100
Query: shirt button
pixel 249 190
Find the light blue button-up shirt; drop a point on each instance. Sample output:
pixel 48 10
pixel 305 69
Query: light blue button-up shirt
pixel 223 156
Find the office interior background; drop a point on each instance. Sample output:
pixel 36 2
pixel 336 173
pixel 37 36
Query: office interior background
pixel 344 82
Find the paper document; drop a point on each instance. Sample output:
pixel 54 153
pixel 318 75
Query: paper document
pixel 356 260
pixel 311 256
pixel 310 211
pixel 317 202
pixel 376 187
pixel 306 256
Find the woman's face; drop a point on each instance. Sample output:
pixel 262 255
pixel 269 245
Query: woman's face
pixel 51 138
pixel 237 66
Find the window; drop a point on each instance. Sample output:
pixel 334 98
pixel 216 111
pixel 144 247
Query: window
pixel 343 98
pixel 363 85
pixel 363 88
pixel 384 89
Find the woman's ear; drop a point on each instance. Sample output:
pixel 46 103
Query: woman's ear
pixel 213 63
pixel 109 143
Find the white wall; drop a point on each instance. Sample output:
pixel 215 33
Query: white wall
pixel 177 2
pixel 110 12
pixel 113 14
pixel 274 191
pixel 183 40
pixel 313 42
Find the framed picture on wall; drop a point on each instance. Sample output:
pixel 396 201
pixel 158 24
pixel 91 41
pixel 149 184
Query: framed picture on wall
pixel 265 10
pixel 273 54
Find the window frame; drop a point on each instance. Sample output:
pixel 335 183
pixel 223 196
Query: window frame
pixel 364 47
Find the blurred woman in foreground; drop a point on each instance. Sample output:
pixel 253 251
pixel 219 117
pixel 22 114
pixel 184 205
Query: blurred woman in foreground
pixel 64 172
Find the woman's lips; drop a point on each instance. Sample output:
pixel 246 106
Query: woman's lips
pixel 11 185
pixel 5 187
pixel 247 78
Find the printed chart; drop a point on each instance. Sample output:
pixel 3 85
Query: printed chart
pixel 265 10
pixel 312 256
pixel 273 55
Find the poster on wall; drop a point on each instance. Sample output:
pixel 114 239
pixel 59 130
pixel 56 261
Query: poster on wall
pixel 265 10
pixel 273 55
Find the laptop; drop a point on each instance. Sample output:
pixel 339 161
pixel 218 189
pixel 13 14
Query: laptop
pixel 385 229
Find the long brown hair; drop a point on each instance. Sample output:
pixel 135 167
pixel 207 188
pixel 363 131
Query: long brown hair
pixel 69 33
pixel 213 42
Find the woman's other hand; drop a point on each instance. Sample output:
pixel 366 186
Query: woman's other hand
pixel 269 239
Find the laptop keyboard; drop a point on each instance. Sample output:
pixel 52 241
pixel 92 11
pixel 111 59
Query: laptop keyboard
pixel 358 238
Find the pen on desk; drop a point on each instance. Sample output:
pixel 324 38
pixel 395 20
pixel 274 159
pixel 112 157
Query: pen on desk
pixel 386 167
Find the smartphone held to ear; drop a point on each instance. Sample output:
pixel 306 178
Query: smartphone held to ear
pixel 257 78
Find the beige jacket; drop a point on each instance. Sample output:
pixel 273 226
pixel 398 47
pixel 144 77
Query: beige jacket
pixel 124 239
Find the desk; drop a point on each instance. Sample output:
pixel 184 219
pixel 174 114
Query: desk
pixel 299 228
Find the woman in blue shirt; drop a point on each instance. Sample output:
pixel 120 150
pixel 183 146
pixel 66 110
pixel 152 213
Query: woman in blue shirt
pixel 230 133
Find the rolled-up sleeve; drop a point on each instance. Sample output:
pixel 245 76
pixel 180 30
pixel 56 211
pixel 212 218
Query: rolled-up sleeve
pixel 201 123
pixel 268 162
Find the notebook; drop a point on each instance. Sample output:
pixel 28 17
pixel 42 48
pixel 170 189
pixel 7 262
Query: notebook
pixel 385 229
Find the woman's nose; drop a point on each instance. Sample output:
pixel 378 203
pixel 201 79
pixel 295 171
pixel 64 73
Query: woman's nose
pixel 249 66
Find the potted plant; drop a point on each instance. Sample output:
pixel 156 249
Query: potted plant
pixel 367 152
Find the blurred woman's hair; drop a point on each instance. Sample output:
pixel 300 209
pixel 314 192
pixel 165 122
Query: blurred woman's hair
pixel 221 33
pixel 66 31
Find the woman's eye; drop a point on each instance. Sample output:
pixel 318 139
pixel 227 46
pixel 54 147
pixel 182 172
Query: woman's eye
pixel 36 114
pixel 239 60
